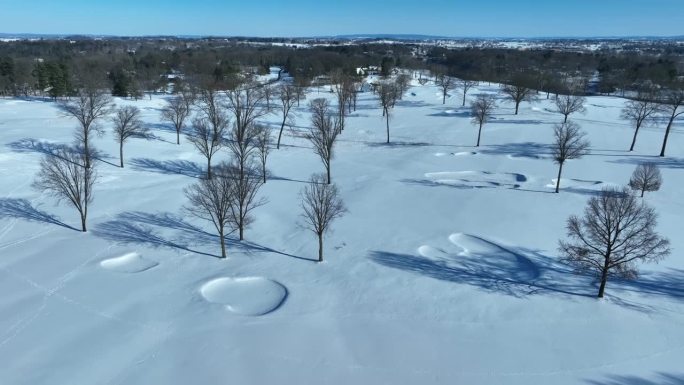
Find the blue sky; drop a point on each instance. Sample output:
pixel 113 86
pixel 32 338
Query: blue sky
pixel 459 18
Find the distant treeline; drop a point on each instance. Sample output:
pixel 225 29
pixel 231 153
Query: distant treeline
pixel 130 67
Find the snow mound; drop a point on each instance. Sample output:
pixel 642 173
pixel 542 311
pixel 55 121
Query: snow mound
pixel 128 263
pixel 477 179
pixel 251 296
pixel 498 260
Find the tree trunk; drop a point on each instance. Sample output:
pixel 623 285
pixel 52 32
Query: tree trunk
pixel 327 169
pixel 121 154
pixel 208 168
pixel 464 98
pixel 280 134
pixel 479 134
pixel 223 244
pixel 178 135
pixel 320 247
pixel 604 276
pixel 83 223
pixel 444 97
pixel 388 134
pixel 87 152
pixel 517 104
pixel 631 148
pixel 242 230
pixel 566 118
pixel 560 170
pixel 643 190
pixel 667 133
pixel 263 170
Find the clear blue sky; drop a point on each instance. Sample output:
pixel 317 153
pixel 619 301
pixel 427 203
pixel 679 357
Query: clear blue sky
pixel 505 18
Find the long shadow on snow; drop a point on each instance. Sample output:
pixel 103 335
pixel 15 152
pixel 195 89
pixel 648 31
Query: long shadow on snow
pixel 28 145
pixel 22 209
pixel 492 272
pixel 136 227
pixel 168 167
pixel 662 379
pixel 663 162
pixel 532 150
pixel 532 273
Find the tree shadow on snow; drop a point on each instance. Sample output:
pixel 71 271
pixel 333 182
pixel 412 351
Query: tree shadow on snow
pixel 136 227
pixel 168 167
pixel 662 162
pixel 22 209
pixel 522 272
pixel 660 379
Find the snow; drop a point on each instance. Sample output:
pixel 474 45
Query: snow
pixel 445 270
pixel 245 295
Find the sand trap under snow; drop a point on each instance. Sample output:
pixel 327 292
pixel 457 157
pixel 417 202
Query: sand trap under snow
pixel 128 263
pixel 251 296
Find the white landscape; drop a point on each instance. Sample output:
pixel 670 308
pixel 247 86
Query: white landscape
pixel 445 270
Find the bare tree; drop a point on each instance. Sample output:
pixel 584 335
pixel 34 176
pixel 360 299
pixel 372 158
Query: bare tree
pixel 206 139
pixel 323 132
pixel 569 143
pixel 446 83
pixel 640 111
pixel 88 106
pixel 301 84
pixel 569 104
pixel 245 186
pixel 518 93
pixel 646 177
pixel 673 100
pixel 127 124
pixel 616 232
pixel 388 92
pixel 481 109
pixel 287 95
pixel 321 204
pixel 176 112
pixel 211 200
pixel 63 175
pixel 244 103
pixel 466 85
pixel 403 82
pixel 268 92
pixel 263 146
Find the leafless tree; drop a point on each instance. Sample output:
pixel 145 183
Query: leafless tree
pixel 569 143
pixel 615 233
pixel 244 103
pixel 403 82
pixel 64 176
pixel 268 92
pixel 212 110
pixel 287 95
pixel 206 139
pixel 466 85
pixel 640 111
pixel 671 103
pixel 446 83
pixel 245 186
pixel 88 106
pixel 646 177
pixel 301 84
pixel 388 92
pixel 569 104
pixel 211 200
pixel 127 124
pixel 481 109
pixel 518 93
pixel 343 87
pixel 263 146
pixel 176 112
pixel 323 132
pixel 321 204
